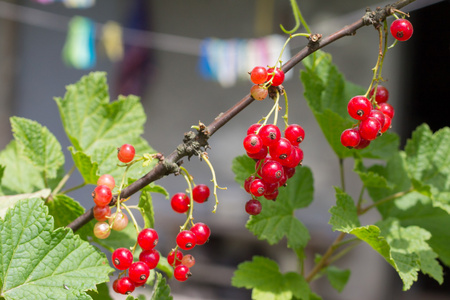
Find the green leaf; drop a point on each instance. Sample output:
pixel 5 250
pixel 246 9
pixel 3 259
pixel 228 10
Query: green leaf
pixel 87 168
pixel 64 210
pixel 264 277
pixel 277 219
pixel 338 278
pixel 344 216
pixel 146 207
pixel 101 294
pixel 369 178
pixel 7 202
pixel 161 290
pixel 61 265
pixel 242 167
pixel 371 235
pixel 39 145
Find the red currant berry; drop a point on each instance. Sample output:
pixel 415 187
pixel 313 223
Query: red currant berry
pixel 295 134
pixel 260 155
pixel 289 171
pixel 201 232
pixel 247 183
pixel 181 273
pixel 369 129
pixel 150 257
pixel 147 238
pixel 401 29
pixel 387 109
pixel 294 159
pixel 138 272
pixel 253 207
pixel 107 180
pixel 102 195
pixel 102 230
pixel 188 261
pixel 180 203
pixel 272 172
pixel 257 187
pixel 377 114
pixel 363 144
pixel 258 75
pixel 125 286
pixel 270 134
pixel 126 153
pixel 186 240
pixel 114 285
pixel 281 150
pixel 253 128
pixel 122 258
pixel 272 196
pixel 259 92
pixel 120 221
pixel 359 107
pixel 387 124
pixel 252 143
pixel 277 75
pixel 200 193
pixel 172 260
pixel 101 213
pixel 382 94
pixel 350 138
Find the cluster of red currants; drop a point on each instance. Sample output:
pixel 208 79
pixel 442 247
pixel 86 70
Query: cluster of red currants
pixel 276 158
pixel 138 272
pixel 263 78
pixel 373 120
pixel 102 196
pixel 198 234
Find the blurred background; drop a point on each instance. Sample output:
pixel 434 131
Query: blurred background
pixel 166 46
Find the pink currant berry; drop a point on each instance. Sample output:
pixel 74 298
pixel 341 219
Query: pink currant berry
pixel 150 257
pixel 147 238
pixel 126 153
pixel 125 286
pixel 181 273
pixel 102 230
pixel 377 114
pixel 174 258
pixel 281 150
pixel 369 129
pixel 295 134
pixel 350 138
pixel 387 124
pixel 387 109
pixel 257 187
pixel 272 171
pixel 107 180
pixel 401 29
pixel 382 94
pixel 200 193
pixel 101 213
pixel 253 207
pixel 186 240
pixel 270 134
pixel 258 75
pixel 259 92
pixel 138 272
pixel 120 221
pixel 188 261
pixel 122 258
pixel 252 143
pixel 180 203
pixel 102 195
pixel 277 75
pixel 359 107
pixel 201 232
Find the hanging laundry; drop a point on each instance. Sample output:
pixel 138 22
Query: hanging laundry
pixel 44 1
pixel 79 49
pixel 227 61
pixel 112 40
pixel 78 3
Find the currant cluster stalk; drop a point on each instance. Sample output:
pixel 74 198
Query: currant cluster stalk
pixel 193 143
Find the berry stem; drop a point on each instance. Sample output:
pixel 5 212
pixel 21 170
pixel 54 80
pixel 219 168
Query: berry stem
pixel 342 173
pixel 376 74
pixel 190 217
pixel 135 224
pixel 64 180
pixel 214 180
pixel 73 188
pixel 384 200
pixel 286 117
pixel 298 19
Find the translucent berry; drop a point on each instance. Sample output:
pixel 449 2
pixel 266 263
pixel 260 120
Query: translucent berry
pixel 188 261
pixel 181 273
pixel 201 232
pixel 281 149
pixel 247 183
pixel 126 153
pixel 200 193
pixel 102 195
pixel 118 221
pixel 270 134
pixel 186 240
pixel 278 76
pixel 138 272
pixel 359 107
pixel 101 213
pixel 260 155
pixel 295 134
pixel 257 187
pixel 107 180
pixel 350 138
pixel 253 128
pixel 387 109
pixel 387 124
pixel 377 114
pixel 174 258
pixel 150 257
pixel 122 258
pixel 125 286
pixel 272 171
pixel 102 230
pixel 369 129
pixel 180 202
pixel 259 92
pixel 401 29
pixel 294 159
pixel 258 75
pixel 253 207
pixel 289 171
pixel 147 238
pixel 382 94
pixel 363 144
